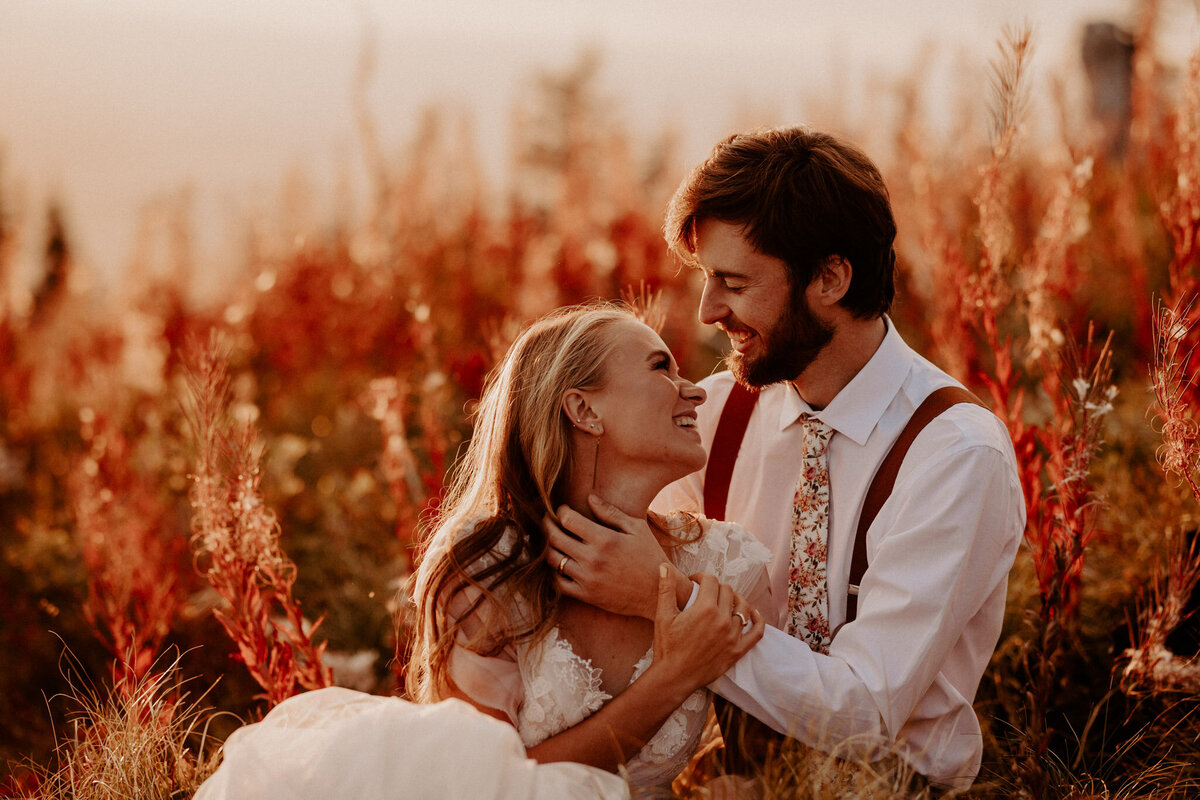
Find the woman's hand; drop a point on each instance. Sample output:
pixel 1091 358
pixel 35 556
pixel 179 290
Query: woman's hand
pixel 700 644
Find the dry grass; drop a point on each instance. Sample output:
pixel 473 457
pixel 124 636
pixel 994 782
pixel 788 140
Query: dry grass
pixel 142 739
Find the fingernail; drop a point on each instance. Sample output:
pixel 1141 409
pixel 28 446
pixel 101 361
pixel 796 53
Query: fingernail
pixel 662 570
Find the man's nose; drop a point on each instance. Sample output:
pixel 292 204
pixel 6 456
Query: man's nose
pixel 712 308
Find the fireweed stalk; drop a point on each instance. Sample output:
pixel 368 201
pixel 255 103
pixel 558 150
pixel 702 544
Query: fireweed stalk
pixel 235 542
pixel 1150 665
pixel 385 402
pixel 1062 524
pixel 1054 452
pixel 1181 216
pixel 130 551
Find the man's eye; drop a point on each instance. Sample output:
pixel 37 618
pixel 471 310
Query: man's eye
pixel 662 364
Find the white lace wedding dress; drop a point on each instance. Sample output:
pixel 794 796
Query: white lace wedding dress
pixel 557 688
pixel 335 743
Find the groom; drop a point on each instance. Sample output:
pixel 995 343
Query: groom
pixel 875 651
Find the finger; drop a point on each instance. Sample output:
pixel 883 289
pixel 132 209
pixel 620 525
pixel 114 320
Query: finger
pixel 667 609
pixel 742 614
pixel 607 512
pixel 578 527
pixel 559 561
pixel 561 542
pixel 569 588
pixel 725 598
pixel 709 587
pixel 752 636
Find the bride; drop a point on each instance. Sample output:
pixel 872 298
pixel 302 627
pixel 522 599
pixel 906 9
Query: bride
pixel 586 407
pixel 588 401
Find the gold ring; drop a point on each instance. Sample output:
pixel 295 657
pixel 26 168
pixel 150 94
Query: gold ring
pixel 562 565
pixel 742 617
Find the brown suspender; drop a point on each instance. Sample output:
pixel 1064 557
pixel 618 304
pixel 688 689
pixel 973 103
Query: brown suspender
pixel 731 427
pixel 881 485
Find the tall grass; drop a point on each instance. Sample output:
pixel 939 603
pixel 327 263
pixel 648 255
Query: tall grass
pixel 153 497
pixel 142 738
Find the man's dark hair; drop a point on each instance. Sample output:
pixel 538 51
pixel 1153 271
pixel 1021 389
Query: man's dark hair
pixel 802 197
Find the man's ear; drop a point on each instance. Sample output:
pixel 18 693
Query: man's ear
pixel 832 281
pixel 580 412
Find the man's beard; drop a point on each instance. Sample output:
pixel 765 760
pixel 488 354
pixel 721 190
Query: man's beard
pixel 788 348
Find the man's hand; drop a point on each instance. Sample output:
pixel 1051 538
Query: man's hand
pixel 614 568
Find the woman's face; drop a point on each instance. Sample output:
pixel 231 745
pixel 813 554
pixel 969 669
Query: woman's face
pixel 647 410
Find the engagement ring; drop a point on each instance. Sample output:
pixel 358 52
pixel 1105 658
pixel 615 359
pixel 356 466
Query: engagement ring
pixel 562 565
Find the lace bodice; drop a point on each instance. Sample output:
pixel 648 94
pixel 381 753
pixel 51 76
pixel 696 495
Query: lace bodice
pixel 561 688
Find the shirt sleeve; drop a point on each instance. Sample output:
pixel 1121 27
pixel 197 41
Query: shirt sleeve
pixel 939 550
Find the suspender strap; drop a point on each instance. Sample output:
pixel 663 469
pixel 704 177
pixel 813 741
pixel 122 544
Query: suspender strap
pixel 885 479
pixel 735 416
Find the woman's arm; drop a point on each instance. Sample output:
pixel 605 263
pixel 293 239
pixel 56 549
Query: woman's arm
pixel 691 649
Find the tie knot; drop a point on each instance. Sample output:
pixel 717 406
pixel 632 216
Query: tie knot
pixel 816 434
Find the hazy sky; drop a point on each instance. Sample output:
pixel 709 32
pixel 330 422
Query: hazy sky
pixel 113 105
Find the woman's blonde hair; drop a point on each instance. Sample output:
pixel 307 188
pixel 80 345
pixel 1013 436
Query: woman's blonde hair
pixel 509 478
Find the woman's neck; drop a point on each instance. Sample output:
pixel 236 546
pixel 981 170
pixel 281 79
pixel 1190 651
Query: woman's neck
pixel 624 486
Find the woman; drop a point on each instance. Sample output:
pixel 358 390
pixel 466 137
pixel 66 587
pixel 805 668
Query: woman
pixel 587 401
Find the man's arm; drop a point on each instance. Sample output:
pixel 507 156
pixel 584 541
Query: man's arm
pixel 950 532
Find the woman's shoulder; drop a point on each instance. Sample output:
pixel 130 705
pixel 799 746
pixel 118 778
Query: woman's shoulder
pixel 717 545
pixel 489 609
pixel 694 528
pixel 496 538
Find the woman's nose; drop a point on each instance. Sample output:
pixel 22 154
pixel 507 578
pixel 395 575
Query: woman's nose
pixel 693 392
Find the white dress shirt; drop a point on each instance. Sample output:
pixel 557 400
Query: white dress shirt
pixel 931 604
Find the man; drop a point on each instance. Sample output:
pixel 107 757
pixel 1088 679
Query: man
pixel 793 231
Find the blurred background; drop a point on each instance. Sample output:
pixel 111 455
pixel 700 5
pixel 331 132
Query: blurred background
pixel 116 109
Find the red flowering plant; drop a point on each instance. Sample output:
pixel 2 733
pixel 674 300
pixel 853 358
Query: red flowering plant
pixel 235 540
pixel 129 548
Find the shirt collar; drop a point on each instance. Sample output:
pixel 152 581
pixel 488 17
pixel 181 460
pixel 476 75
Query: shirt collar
pixel 860 404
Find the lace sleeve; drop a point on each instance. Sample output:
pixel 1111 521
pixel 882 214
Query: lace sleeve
pixel 733 555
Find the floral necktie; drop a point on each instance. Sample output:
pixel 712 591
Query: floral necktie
pixel 808 593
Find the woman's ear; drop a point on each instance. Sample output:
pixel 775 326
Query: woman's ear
pixel 580 412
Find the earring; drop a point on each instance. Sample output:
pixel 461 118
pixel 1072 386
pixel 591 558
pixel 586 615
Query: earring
pixel 595 463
